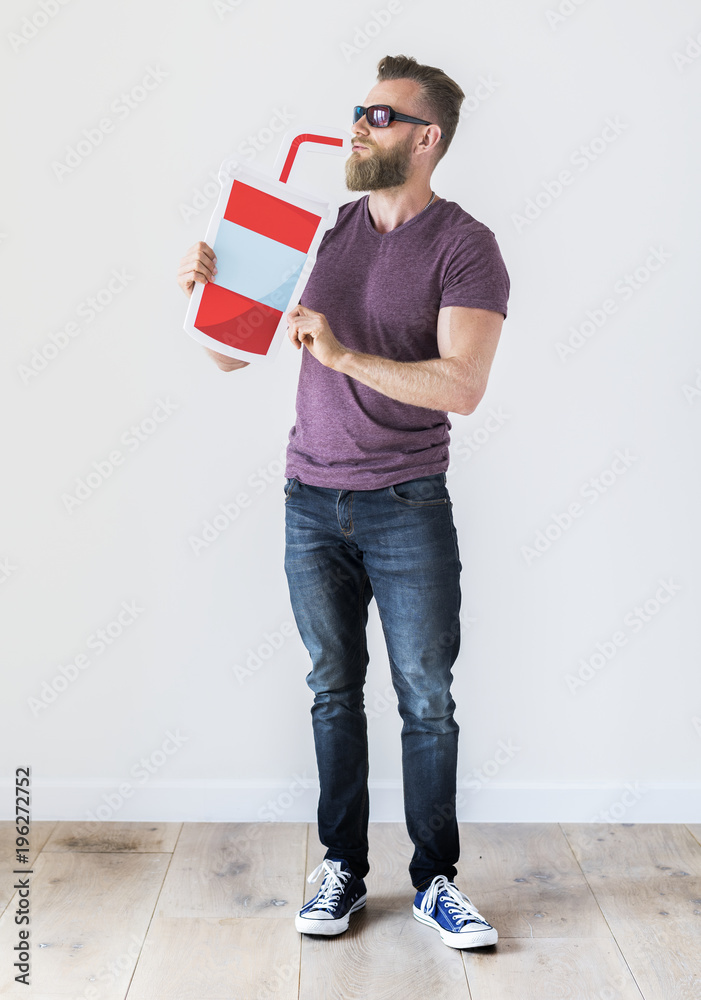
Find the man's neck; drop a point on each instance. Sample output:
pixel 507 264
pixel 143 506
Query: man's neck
pixel 392 207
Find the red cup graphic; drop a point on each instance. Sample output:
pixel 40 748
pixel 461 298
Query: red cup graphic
pixel 265 235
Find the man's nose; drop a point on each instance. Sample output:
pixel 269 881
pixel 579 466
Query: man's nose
pixel 364 120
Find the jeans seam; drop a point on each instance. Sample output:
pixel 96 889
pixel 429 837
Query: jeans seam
pixel 363 658
pixel 346 534
pixel 363 635
pixel 418 503
pixel 454 533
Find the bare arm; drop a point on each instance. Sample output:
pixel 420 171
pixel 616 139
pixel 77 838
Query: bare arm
pixel 226 363
pixel 200 264
pixel 456 381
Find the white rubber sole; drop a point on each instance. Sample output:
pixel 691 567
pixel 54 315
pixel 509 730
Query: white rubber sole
pixel 307 925
pixel 465 939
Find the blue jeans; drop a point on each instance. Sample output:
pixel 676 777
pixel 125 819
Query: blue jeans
pixel 398 544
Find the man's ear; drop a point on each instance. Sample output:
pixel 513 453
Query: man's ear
pixel 425 139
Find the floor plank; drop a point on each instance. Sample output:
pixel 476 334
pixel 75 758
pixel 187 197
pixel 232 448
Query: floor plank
pixel 89 913
pixel 246 958
pixel 383 955
pixel 524 878
pixel 236 870
pixel 646 879
pixel 552 969
pixel 224 924
pixel 656 922
pixel 105 838
pixel 39 833
pixel 634 850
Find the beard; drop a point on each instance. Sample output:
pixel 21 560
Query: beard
pixel 379 168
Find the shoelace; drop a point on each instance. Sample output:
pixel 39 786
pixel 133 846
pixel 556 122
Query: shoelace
pixel 332 886
pixel 458 905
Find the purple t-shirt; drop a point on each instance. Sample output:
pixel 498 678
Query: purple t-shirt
pixel 381 294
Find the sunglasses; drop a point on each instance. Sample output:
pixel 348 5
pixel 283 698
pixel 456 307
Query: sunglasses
pixel 380 116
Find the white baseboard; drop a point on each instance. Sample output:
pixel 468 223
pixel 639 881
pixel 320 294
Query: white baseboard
pixel 296 801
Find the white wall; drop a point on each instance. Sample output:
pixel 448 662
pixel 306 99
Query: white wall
pixel 624 743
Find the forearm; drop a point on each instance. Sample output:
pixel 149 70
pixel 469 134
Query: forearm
pixel 438 383
pixel 226 363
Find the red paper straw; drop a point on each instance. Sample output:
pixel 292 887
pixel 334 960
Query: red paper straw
pixel 297 142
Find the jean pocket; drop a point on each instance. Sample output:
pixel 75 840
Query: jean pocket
pixel 426 491
pixel 289 486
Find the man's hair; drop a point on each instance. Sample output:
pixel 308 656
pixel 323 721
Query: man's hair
pixel 440 97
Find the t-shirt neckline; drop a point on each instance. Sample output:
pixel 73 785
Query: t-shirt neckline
pixel 397 229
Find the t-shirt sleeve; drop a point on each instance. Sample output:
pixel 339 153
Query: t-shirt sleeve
pixel 476 275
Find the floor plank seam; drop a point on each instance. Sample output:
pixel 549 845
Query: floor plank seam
pixel 603 917
pixel 697 839
pixel 155 907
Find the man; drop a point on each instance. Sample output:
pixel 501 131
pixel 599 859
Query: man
pixel 400 319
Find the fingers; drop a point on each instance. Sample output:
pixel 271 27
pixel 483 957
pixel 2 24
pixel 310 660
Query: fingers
pixel 198 264
pixel 200 260
pixel 294 335
pixel 203 249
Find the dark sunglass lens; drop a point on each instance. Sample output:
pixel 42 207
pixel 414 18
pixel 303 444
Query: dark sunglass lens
pixel 358 113
pixel 379 116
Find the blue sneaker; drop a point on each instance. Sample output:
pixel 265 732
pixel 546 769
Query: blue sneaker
pixel 341 894
pixel 450 912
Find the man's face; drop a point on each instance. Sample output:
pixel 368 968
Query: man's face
pixel 382 157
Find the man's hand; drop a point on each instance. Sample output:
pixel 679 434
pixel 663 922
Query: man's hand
pixel 311 329
pixel 198 264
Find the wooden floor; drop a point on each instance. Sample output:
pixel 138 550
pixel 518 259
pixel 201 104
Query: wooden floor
pixel 197 911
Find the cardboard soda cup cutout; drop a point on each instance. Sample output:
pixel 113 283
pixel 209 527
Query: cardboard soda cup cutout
pixel 265 235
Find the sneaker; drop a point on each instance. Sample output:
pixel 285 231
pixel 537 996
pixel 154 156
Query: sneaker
pixel 443 907
pixel 341 894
